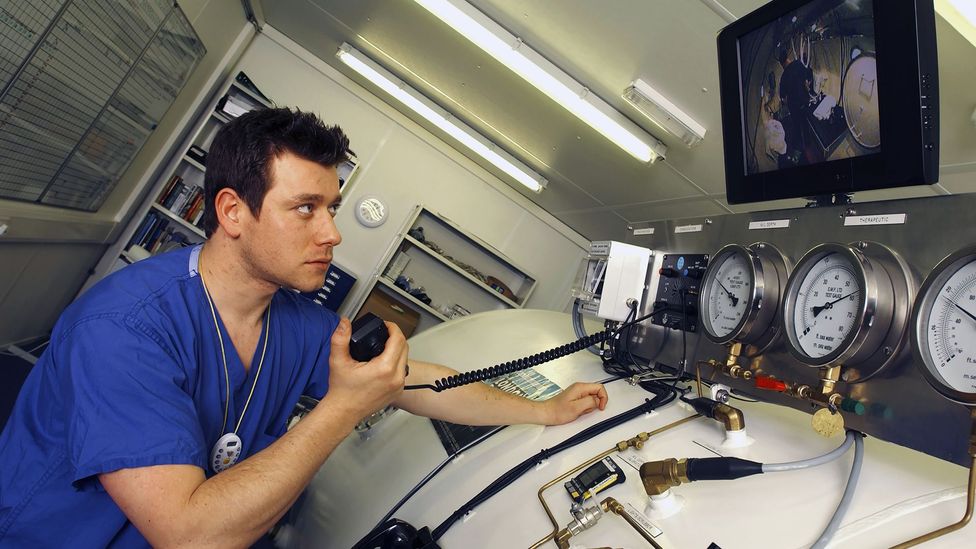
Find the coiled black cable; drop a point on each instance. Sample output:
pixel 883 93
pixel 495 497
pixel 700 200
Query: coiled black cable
pixel 662 398
pixel 523 363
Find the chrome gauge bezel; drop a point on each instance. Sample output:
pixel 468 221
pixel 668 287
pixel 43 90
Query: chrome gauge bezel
pixel 865 309
pixel 768 270
pixel 928 293
pixel 886 292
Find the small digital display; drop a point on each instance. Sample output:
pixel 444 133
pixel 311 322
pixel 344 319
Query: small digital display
pixel 808 84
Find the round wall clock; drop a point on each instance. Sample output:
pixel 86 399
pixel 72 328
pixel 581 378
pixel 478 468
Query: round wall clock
pixel 371 211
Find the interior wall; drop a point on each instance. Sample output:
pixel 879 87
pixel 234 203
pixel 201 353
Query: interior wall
pixel 404 165
pixel 47 253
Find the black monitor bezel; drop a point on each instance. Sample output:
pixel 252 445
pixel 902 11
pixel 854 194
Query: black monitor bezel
pixel 909 151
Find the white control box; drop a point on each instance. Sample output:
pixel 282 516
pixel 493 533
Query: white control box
pixel 612 274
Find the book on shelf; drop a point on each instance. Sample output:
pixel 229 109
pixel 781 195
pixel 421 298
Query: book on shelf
pixel 168 188
pixel 154 234
pixel 174 193
pixel 181 199
pixel 144 228
pixel 191 209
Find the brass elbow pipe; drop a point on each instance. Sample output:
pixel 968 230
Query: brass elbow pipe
pixel 970 499
pixel 613 506
pixel 660 476
pixel 731 417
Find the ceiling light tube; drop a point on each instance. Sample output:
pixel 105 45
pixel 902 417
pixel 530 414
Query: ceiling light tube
pixel 439 117
pixel 658 109
pixel 548 78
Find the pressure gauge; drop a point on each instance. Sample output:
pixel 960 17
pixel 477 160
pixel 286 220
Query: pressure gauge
pixel 944 327
pixel 740 294
pixel 848 305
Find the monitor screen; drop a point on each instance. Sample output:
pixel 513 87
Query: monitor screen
pixel 828 97
pixel 809 81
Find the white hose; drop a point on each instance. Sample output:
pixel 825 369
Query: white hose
pixel 845 501
pixel 578 328
pixel 812 462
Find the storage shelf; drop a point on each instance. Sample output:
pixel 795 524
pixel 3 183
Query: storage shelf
pixel 189 226
pixel 221 117
pixel 194 163
pixel 473 239
pixel 471 278
pixel 393 287
pixel 240 87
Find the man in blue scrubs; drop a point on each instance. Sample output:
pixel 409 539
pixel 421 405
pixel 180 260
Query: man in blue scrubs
pixel 188 364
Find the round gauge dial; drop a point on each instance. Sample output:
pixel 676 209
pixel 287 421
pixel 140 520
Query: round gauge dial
pixel 848 305
pixel 728 291
pixel 827 305
pixel 944 321
pixel 740 294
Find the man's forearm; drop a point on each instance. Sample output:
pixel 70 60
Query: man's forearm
pixel 472 404
pixel 266 484
pixel 240 504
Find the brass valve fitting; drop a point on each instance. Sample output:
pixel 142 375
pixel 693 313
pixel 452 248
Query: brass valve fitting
pixel 660 476
pixel 635 442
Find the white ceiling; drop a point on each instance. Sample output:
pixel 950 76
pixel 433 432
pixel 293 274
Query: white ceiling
pixel 595 187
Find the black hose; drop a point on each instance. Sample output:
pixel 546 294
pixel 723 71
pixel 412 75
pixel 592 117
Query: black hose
pixel 666 396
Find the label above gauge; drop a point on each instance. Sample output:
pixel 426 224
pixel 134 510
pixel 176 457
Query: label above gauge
pixel 769 224
pixel 878 219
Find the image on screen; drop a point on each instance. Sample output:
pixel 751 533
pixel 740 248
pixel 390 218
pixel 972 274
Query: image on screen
pixel 809 87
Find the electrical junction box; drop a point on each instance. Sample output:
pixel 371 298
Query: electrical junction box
pixel 610 275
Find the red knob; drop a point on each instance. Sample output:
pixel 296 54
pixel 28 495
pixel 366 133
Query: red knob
pixel 770 383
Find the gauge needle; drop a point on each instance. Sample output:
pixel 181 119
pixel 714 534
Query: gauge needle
pixel 830 304
pixel 969 314
pixel 735 300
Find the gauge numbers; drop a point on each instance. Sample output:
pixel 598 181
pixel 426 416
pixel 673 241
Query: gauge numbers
pixel 827 306
pixel 946 327
pixel 729 294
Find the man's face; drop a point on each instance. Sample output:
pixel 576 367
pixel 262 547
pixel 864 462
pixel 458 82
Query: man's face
pixel 291 243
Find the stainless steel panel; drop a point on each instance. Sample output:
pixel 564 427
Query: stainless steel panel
pixel 901 406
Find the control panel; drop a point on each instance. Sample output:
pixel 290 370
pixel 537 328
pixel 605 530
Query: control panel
pixel 678 291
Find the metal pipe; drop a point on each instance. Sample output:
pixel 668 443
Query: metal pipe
pixel 616 508
pixel 549 484
pixel 636 442
pixel 952 527
pixel 970 497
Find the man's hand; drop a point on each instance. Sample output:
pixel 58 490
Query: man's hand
pixel 361 388
pixel 578 399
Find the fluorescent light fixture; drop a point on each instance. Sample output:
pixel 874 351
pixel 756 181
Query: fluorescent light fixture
pixel 439 117
pixel 662 112
pixel 548 78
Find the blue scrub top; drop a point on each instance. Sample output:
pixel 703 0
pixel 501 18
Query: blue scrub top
pixel 132 378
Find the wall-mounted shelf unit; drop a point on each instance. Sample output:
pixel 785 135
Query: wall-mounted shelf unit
pixel 435 271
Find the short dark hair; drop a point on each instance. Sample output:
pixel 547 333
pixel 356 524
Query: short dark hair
pixel 241 153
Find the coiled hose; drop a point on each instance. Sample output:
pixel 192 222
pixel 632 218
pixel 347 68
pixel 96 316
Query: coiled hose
pixel 523 363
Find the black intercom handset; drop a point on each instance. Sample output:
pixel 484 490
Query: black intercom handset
pixel 369 335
